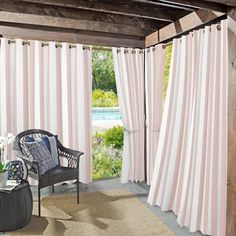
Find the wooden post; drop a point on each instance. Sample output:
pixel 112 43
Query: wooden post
pixel 231 188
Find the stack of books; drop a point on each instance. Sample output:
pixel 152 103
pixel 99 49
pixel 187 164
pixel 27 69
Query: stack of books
pixel 10 185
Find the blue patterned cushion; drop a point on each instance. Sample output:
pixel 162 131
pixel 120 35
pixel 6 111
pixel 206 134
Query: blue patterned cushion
pixel 51 144
pixel 41 154
pixel 46 141
pixel 29 139
pixel 53 148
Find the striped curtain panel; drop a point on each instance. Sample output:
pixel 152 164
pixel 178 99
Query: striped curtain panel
pixel 190 173
pixel 48 87
pixel 154 79
pixel 129 73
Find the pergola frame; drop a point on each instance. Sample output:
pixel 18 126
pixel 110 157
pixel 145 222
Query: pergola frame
pixel 136 23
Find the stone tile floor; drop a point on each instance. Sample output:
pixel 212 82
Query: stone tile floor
pixel 140 190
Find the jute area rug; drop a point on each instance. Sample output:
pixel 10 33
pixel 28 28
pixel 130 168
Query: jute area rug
pixel 113 213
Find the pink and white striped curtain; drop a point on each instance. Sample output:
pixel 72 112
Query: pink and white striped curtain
pixel 48 87
pixel 154 80
pixel 190 170
pixel 129 72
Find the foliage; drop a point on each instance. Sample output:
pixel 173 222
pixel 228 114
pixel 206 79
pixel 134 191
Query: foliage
pixel 114 137
pixel 103 71
pixel 2 168
pixel 107 153
pixel 102 98
pixel 167 69
pixel 98 138
pixel 107 161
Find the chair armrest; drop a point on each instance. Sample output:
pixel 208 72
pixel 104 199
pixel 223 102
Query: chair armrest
pixel 71 155
pixel 72 152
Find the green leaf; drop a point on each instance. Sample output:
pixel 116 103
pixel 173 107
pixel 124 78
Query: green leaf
pixel 2 168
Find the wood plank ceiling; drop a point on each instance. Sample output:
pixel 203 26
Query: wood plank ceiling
pixel 101 22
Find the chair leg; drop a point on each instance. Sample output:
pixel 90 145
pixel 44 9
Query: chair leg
pixel 53 188
pixel 39 202
pixel 78 190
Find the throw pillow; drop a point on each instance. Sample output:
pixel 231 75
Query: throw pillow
pixel 53 147
pixel 41 154
pixel 51 144
pixel 29 139
pixel 46 141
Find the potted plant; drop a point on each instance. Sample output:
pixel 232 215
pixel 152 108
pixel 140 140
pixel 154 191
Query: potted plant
pixel 3 174
pixel 4 141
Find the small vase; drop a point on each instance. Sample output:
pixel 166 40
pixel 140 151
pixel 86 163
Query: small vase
pixel 3 179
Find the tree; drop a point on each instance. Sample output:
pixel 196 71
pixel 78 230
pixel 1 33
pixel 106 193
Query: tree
pixel 167 69
pixel 103 71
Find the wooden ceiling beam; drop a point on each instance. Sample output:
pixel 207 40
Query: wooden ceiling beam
pixel 80 14
pixel 202 4
pixel 70 36
pixel 121 7
pixel 168 4
pixel 186 23
pixel 54 16
pixel 231 3
pixel 232 13
pixel 30 19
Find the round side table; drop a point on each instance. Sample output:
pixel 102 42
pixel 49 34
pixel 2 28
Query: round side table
pixel 16 207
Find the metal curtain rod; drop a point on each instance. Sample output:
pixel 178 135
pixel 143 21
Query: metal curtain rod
pixel 126 50
pixel 153 48
pixel 141 50
pixel 59 45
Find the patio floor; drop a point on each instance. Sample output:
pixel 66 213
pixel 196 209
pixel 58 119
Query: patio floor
pixel 138 189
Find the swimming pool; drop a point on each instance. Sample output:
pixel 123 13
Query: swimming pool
pixel 104 113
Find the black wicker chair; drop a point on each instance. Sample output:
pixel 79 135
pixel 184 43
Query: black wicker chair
pixel 51 177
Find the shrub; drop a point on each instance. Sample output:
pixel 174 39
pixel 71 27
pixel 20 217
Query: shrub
pixel 103 98
pixel 114 137
pixel 97 139
pixel 107 161
pixel 107 152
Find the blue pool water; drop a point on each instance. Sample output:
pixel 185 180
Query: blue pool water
pixel 106 114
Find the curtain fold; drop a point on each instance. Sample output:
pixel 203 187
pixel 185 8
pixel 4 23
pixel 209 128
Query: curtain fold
pixel 84 96
pixel 190 170
pixel 21 86
pixel 48 87
pixel 129 73
pixel 154 78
